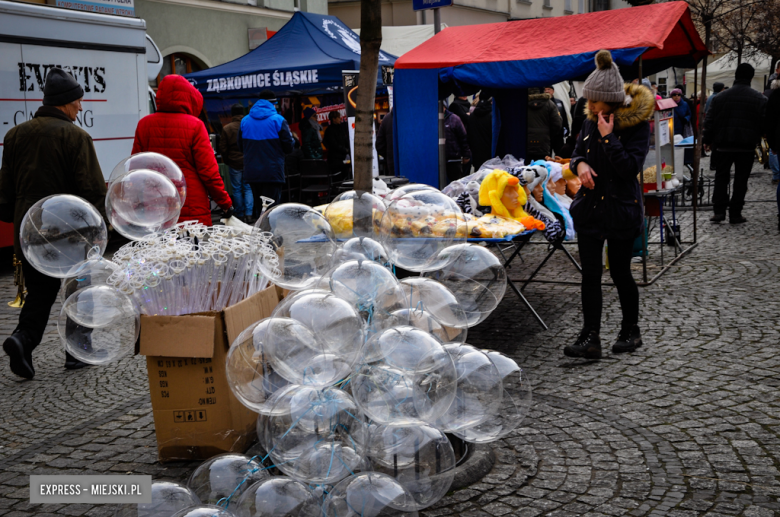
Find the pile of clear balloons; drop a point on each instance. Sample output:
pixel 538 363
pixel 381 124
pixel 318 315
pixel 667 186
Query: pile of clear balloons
pixel 192 268
pixel 357 377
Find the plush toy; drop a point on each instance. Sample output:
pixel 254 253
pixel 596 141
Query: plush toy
pixel 557 185
pixel 500 190
pixel 534 176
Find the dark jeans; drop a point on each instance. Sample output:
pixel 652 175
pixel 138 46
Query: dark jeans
pixel 619 253
pixel 743 162
pixel 269 190
pixel 42 292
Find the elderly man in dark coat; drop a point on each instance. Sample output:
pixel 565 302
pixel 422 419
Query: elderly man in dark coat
pixel 45 156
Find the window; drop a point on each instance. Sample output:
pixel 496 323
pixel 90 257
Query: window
pixel 567 6
pixel 581 6
pixel 547 4
pixel 178 63
pixel 662 86
pixel 601 5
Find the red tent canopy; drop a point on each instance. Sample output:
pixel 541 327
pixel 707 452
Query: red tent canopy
pixel 664 30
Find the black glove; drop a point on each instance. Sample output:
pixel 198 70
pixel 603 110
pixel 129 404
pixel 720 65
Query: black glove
pixel 228 213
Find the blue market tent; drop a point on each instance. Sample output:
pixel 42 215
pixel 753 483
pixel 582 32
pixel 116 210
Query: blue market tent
pixel 306 56
pixel 505 59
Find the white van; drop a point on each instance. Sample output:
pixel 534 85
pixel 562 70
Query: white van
pixel 110 56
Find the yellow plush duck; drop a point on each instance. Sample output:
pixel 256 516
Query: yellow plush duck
pixel 502 193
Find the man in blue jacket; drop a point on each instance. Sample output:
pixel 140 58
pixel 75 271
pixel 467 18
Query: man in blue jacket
pixel 264 138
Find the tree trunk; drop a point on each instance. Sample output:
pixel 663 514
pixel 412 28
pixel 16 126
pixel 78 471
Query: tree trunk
pixel 370 40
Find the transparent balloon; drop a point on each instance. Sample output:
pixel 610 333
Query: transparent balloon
pixel 133 231
pixel 424 320
pixel 479 392
pixel 420 457
pixel 369 494
pixel 304 244
pixel 58 233
pixel 99 324
pixel 155 162
pixel 168 497
pixel 250 375
pixel 95 272
pixel 515 403
pixel 405 374
pixel 436 299
pixel 143 198
pixel 278 497
pixel 316 435
pixel 335 322
pixel 205 510
pixel 225 476
pixel 361 282
pixel 475 276
pixel 361 248
pixel 418 226
pixel 355 214
pixel 266 411
pixel 302 357
pixel 406 189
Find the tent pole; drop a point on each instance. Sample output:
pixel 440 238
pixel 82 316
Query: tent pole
pixel 640 69
pixel 695 175
pixel 442 140
pixel 436 21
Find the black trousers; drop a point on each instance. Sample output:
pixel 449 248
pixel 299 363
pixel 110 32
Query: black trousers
pixel 743 163
pixel 42 292
pixel 269 190
pixel 619 253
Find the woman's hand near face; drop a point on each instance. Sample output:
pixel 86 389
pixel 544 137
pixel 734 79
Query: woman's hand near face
pixel 586 174
pixel 606 127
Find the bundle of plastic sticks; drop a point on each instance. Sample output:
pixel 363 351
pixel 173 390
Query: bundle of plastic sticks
pixel 192 268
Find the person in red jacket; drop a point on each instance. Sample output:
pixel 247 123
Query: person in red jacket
pixel 176 132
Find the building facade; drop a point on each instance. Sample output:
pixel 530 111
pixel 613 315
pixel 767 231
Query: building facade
pixel 471 12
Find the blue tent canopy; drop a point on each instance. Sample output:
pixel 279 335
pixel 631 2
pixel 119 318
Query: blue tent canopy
pixel 306 56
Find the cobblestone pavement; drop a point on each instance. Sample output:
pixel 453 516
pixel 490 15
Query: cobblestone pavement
pixel 688 425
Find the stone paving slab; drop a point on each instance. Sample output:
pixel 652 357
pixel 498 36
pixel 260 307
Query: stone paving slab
pixel 688 425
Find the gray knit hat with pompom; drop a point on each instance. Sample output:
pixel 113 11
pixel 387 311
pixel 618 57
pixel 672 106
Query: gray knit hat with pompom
pixel 605 83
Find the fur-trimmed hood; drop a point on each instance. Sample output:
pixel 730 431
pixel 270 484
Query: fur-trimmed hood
pixel 639 109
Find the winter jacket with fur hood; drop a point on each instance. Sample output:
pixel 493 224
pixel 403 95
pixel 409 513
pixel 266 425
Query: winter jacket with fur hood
pixel 176 132
pixel 614 208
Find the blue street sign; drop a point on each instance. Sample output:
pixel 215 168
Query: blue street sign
pixel 419 5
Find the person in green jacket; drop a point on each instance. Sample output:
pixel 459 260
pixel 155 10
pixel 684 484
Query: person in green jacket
pixel 42 157
pixel 311 138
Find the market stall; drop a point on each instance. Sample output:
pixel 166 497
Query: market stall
pixel 507 58
pixel 302 64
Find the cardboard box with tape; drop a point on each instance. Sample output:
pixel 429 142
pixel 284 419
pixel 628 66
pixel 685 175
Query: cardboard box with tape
pixel 196 415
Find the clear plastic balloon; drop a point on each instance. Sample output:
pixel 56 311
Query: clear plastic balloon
pixel 515 403
pixel 168 497
pixel 420 457
pixel 335 322
pixel 475 276
pixel 205 510
pixel 355 214
pixel 58 233
pixel 304 243
pixel 302 357
pixel 133 231
pixel 98 324
pixel 361 282
pixel 424 320
pixel 225 476
pixel 360 248
pixel 479 392
pixel 418 226
pixel 95 272
pixel 250 375
pixel 316 435
pixel 405 374
pixel 155 162
pixel 406 189
pixel 143 198
pixel 369 494
pixel 278 497
pixel 436 299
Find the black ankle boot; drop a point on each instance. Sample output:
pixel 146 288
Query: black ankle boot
pixel 628 340
pixel 19 349
pixel 588 346
pixel 71 363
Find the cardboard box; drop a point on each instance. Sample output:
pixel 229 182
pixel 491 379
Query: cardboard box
pixel 196 415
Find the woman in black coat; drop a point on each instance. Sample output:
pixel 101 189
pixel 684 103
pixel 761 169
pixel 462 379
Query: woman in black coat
pixel 610 151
